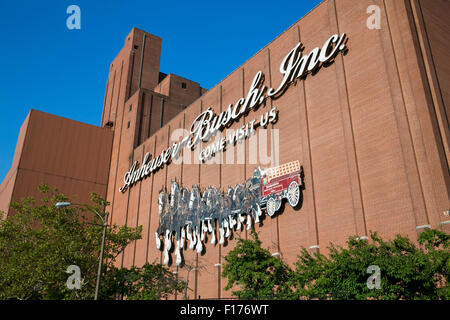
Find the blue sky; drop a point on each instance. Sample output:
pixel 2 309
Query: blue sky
pixel 46 66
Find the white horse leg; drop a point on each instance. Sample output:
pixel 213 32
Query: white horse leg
pixel 168 241
pixel 194 240
pixel 238 227
pixel 213 238
pixel 258 213
pixel 249 221
pixel 199 246
pixel 227 229
pixel 202 230
pixel 178 253
pixel 166 256
pixel 158 241
pixel 232 221
pixel 167 246
pixel 189 234
pixel 256 217
pixel 206 224
pixel 221 236
pixel 196 236
pixel 210 229
pixel 183 236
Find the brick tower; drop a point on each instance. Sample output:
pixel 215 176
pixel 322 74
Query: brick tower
pixel 139 100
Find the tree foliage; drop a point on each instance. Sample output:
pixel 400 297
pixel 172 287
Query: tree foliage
pixel 149 282
pixel 257 273
pixel 39 242
pixel 407 270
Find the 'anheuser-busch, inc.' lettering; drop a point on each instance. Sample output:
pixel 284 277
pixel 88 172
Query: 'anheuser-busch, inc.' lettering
pixel 295 65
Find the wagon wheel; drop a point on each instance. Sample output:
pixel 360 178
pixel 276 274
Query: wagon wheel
pixel 278 204
pixel 271 206
pixel 293 194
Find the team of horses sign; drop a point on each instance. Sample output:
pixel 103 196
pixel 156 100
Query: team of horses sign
pixel 191 214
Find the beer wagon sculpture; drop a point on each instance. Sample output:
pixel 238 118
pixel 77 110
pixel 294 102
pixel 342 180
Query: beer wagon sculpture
pixel 188 215
pixel 278 183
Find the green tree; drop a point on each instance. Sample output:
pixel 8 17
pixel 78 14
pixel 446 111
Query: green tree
pixel 39 243
pixel 407 270
pixel 149 282
pixel 257 273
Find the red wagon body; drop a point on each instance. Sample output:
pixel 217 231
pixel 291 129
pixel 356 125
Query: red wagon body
pixel 280 182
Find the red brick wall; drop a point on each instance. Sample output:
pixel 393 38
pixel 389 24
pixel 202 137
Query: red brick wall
pixel 66 154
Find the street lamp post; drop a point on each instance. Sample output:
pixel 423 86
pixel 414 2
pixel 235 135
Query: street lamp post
pixel 99 272
pixel 102 250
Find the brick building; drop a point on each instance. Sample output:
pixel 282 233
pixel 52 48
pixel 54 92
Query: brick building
pixel 67 154
pixel 366 114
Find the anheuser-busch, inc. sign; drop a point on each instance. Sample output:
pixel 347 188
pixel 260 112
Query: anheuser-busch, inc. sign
pixel 295 65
